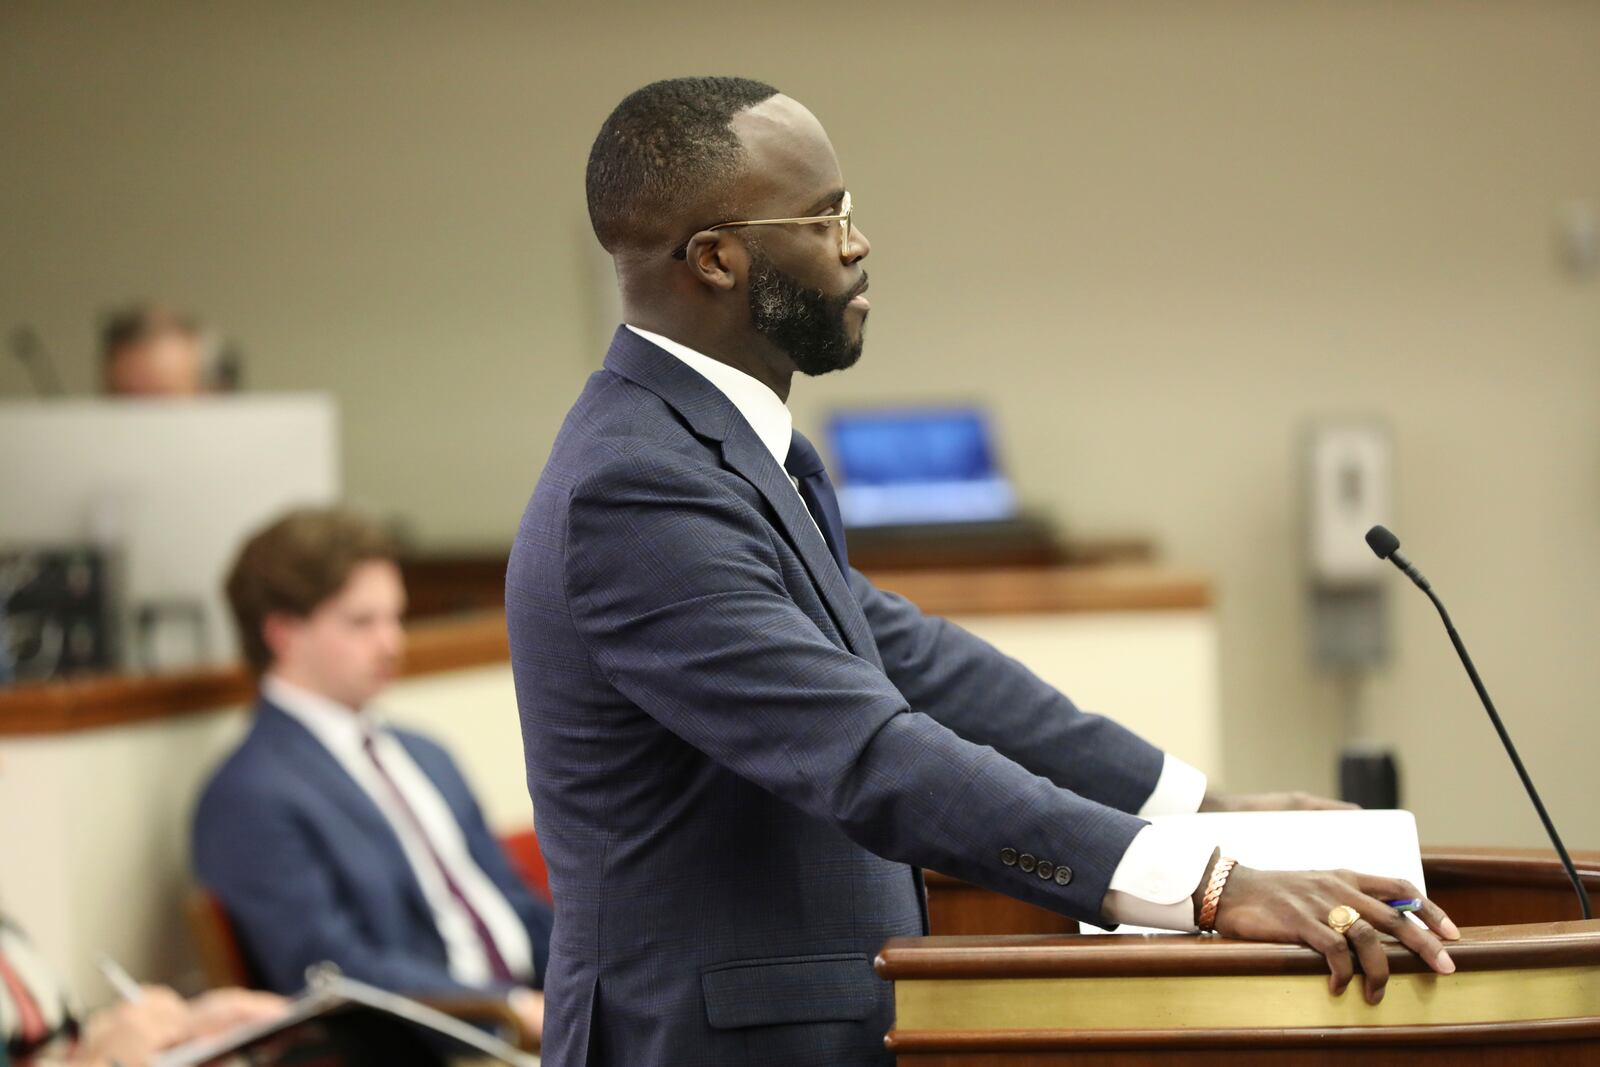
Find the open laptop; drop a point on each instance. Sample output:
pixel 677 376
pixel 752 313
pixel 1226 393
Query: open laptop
pixel 917 466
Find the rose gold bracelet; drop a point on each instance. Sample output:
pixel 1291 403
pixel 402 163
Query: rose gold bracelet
pixel 1208 904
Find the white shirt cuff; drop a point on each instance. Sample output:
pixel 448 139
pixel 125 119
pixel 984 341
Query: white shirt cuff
pixel 1179 790
pixel 1155 882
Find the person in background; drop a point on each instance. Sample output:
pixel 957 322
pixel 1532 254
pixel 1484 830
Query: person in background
pixel 330 835
pixel 8 670
pixel 148 350
pixel 39 1025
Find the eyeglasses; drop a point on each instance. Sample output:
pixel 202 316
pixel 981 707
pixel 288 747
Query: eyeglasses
pixel 843 219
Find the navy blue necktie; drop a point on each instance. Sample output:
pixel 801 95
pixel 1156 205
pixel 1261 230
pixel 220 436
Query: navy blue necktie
pixel 817 492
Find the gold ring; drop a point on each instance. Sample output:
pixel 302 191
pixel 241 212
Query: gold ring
pixel 1343 918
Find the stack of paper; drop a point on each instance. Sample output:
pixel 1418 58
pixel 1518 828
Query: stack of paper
pixel 1371 842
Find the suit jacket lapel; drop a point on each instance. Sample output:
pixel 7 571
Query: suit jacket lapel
pixel 322 771
pixel 711 414
pixel 746 454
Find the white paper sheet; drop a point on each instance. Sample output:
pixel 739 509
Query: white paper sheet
pixel 1372 842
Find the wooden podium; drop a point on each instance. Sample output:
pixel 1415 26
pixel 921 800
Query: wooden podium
pixel 1005 983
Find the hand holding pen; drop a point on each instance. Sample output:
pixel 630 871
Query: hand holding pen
pixel 152 1018
pixel 130 1033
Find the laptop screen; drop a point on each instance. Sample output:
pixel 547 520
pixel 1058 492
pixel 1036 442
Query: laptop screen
pixel 917 465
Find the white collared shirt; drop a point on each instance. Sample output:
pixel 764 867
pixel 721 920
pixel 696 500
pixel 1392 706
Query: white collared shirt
pixel 343 733
pixel 1152 886
pixel 768 416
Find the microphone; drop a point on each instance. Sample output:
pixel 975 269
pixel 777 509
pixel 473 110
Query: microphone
pixel 1386 545
pixel 228 376
pixel 28 349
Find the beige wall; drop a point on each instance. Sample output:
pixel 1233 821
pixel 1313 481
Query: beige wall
pixel 1154 238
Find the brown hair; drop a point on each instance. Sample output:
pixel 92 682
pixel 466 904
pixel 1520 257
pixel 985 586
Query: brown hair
pixel 294 565
pixel 136 323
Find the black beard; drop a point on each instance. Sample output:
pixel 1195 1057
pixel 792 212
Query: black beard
pixel 805 324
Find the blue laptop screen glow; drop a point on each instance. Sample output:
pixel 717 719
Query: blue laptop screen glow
pixel 917 465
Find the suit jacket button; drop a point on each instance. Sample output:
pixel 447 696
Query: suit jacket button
pixel 1046 869
pixel 1026 862
pixel 1063 874
pixel 1008 856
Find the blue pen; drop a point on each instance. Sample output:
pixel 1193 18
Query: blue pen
pixel 1409 904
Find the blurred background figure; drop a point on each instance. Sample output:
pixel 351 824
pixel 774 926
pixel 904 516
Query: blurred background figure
pixel 330 835
pixel 7 668
pixel 40 1023
pixel 152 350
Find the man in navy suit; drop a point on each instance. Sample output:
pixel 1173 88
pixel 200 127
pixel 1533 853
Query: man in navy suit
pixel 741 753
pixel 328 834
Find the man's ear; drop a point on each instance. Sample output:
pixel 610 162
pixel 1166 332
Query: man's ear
pixel 278 631
pixel 716 259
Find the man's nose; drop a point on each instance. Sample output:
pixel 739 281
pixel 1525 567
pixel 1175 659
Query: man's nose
pixel 860 247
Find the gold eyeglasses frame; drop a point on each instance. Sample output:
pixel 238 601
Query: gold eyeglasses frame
pixel 843 219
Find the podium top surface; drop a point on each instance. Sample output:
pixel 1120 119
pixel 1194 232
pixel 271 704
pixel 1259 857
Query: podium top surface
pixel 1481 948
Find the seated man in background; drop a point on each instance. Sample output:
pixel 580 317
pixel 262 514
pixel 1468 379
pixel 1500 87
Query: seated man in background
pixel 8 672
pixel 148 350
pixel 329 835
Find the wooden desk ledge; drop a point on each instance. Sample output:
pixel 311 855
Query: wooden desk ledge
pixel 113 700
pixel 1048 590
pixel 479 639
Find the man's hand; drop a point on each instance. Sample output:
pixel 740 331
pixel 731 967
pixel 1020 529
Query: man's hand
pixel 1271 802
pixel 1294 906
pixel 224 1009
pixel 529 1006
pixel 132 1032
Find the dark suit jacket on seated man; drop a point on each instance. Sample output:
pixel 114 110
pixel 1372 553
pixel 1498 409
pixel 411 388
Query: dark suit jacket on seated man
pixel 329 835
pixel 740 751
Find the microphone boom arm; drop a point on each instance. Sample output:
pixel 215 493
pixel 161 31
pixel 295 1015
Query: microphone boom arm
pixel 1387 546
pixel 1511 750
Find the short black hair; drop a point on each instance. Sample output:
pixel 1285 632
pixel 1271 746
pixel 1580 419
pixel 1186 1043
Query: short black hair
pixel 670 139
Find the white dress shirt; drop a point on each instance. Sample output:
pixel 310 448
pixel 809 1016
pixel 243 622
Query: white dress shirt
pixel 343 733
pixel 1154 882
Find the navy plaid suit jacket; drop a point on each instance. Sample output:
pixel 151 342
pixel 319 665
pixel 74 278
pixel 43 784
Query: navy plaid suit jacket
pixel 739 757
